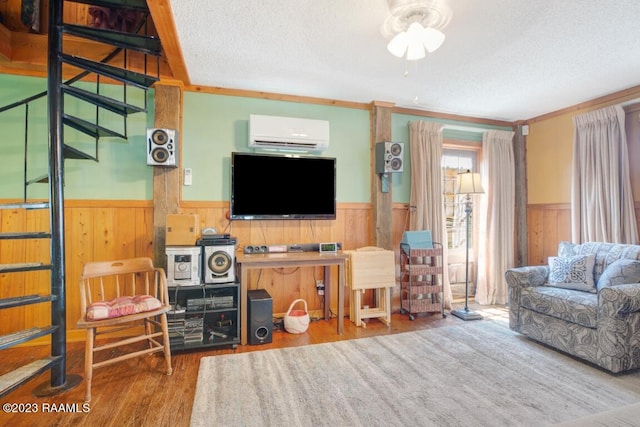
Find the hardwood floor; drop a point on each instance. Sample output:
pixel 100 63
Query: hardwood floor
pixel 137 393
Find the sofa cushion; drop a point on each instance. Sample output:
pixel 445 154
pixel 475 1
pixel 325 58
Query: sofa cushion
pixel 566 304
pixel 574 272
pixel 606 254
pixel 620 272
pixel 122 306
pixel 567 249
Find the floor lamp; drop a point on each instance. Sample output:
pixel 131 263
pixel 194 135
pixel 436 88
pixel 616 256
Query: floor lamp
pixel 468 183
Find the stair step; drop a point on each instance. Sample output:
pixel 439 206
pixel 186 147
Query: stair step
pixel 24 300
pixel 102 101
pixel 24 266
pixel 140 80
pixel 25 235
pixel 12 339
pixel 43 179
pixel 146 44
pixel 73 153
pixel 14 379
pixel 139 5
pixel 25 205
pixel 92 129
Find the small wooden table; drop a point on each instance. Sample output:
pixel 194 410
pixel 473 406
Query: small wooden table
pixel 292 259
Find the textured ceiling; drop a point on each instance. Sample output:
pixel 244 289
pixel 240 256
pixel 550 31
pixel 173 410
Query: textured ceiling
pixel 502 59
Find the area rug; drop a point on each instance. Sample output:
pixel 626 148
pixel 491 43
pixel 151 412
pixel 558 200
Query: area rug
pixel 474 373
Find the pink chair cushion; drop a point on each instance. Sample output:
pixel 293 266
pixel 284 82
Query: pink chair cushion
pixel 122 306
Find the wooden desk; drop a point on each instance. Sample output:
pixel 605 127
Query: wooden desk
pixel 292 259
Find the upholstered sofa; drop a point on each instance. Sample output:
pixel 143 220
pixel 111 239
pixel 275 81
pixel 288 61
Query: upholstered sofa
pixel 586 303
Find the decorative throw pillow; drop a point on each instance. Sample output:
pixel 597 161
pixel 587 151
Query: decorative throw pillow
pixel 566 249
pixel 574 272
pixel 620 272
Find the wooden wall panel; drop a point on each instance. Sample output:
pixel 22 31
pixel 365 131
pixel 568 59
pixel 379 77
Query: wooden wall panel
pixel 104 230
pixel 10 10
pixel 550 224
pixel 18 284
pixel 75 13
pixel 37 249
pixel 352 228
pixel 109 230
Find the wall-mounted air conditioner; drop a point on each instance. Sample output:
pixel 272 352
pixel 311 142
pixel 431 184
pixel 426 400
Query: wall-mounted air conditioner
pixel 288 133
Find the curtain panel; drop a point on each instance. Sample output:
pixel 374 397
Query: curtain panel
pixel 496 217
pixel 427 199
pixel 602 208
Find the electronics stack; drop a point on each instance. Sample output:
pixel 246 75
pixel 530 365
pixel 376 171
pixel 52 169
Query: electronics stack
pixel 193 329
pixel 203 289
pixel 218 268
pixel 175 321
pixel 183 270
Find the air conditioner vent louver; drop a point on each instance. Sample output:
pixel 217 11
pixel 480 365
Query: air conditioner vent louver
pixel 288 133
pixel 284 144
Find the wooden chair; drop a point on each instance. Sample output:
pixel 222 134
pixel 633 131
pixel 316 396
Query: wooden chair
pixel 127 299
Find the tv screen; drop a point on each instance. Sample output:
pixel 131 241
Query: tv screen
pixel 268 186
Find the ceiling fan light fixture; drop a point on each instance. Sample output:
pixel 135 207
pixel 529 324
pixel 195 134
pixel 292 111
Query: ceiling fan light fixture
pixel 398 45
pixel 432 39
pixel 416 27
pixel 415 50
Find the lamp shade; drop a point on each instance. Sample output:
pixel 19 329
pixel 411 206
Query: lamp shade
pixel 469 183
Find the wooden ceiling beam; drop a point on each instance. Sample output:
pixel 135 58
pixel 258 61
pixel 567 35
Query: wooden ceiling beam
pixel 26 53
pixel 5 43
pixel 162 17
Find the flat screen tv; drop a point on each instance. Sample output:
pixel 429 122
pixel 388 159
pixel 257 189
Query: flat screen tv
pixel 270 186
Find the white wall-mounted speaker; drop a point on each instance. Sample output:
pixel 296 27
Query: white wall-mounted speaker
pixel 389 157
pixel 162 147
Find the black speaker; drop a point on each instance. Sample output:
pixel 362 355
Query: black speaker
pixel 259 317
pixel 162 147
pixel 389 157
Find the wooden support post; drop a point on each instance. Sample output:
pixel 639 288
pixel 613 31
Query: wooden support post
pixel 382 202
pixel 520 156
pixel 166 180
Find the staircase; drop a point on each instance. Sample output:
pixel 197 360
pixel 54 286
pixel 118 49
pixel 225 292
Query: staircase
pixel 77 91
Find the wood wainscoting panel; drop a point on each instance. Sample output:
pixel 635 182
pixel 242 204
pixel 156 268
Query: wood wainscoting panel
pixel 115 229
pixel 351 228
pixel 548 225
pixel 94 231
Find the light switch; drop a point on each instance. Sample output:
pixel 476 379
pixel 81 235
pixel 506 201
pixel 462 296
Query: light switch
pixel 188 177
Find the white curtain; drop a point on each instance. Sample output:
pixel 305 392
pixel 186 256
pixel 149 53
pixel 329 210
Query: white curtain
pixel 496 217
pixel 427 198
pixel 601 199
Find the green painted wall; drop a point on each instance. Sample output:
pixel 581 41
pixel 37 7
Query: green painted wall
pixel 213 127
pixel 216 125
pixel 121 173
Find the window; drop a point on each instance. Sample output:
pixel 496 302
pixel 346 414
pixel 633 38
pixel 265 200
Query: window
pixel 456 160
